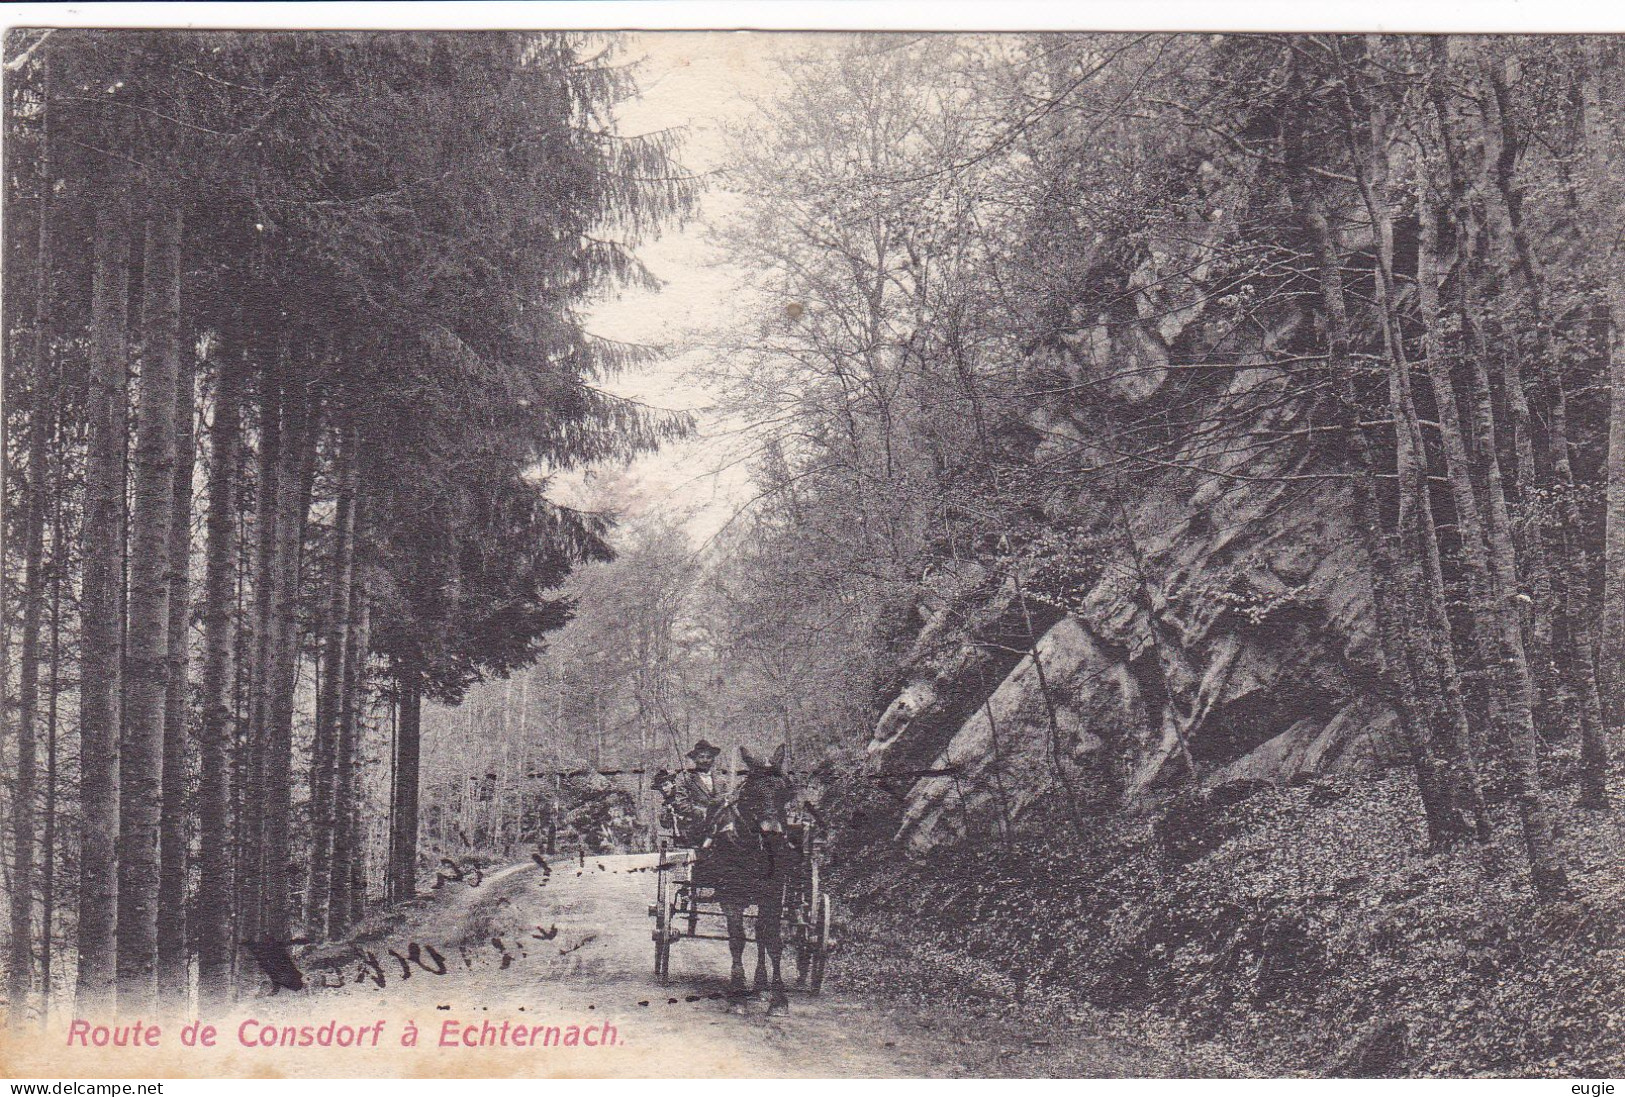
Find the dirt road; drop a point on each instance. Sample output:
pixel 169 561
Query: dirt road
pixel 578 950
pixel 534 973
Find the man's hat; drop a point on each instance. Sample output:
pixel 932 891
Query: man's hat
pixel 703 747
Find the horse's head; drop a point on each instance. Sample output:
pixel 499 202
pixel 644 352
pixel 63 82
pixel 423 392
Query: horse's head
pixel 765 795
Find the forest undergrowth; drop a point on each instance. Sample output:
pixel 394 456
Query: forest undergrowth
pixel 1274 930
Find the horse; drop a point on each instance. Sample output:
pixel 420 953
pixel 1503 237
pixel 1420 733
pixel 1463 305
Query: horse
pixel 747 863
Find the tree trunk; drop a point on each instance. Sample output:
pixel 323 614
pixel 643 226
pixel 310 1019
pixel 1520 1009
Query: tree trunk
pixel 241 758
pixel 359 825
pixel 41 419
pixel 213 911
pixel 1459 813
pixel 1613 617
pixel 1495 167
pixel 1570 577
pixel 259 652
pixel 173 975
pixel 1392 594
pixel 404 795
pixel 1546 867
pixel 59 565
pixel 293 505
pixel 1459 463
pixel 147 655
pixel 326 747
pixel 1602 86
pixel 1574 589
pixel 1505 623
pixel 347 792
pixel 103 628
pixel 358 820
pixel 21 964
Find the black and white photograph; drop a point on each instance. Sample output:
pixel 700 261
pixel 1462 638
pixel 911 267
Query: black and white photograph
pixel 805 553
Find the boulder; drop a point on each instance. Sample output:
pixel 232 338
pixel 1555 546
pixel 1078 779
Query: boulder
pixel 1009 753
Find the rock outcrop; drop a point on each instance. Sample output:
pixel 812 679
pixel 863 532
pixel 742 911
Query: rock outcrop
pixel 1229 629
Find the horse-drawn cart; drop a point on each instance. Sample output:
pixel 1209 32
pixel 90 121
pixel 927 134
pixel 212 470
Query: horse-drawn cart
pixel 687 908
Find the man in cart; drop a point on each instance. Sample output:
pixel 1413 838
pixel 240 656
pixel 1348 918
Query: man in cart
pixel 698 795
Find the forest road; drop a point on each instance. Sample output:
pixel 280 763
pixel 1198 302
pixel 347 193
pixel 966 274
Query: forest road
pixel 572 945
pixel 533 972
pixel 536 949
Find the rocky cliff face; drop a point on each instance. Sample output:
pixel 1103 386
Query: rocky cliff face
pixel 1229 630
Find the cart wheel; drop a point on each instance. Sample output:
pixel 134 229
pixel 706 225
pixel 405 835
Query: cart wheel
pixel 823 940
pixel 662 930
